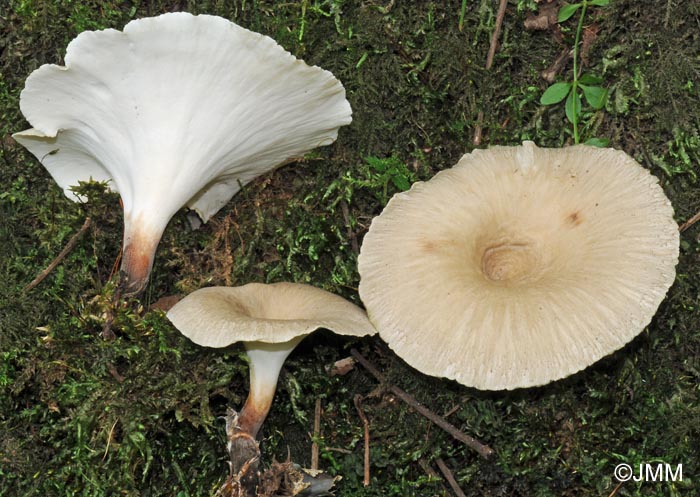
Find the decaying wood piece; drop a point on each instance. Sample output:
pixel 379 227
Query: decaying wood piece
pixel 550 74
pixel 545 18
pixel 341 367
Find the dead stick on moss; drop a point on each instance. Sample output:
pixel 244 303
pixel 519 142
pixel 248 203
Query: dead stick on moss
pixel 449 477
pixel 484 450
pixel 428 470
pixel 616 488
pixel 365 424
pixel 348 223
pixel 689 222
pixel 667 16
pixel 496 33
pixel 317 432
pixel 66 250
pixel 489 62
pixel 110 437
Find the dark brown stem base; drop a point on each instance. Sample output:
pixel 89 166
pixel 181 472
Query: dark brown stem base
pixel 244 453
pixel 246 478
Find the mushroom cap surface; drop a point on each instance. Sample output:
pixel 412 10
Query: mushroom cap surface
pixel 177 110
pixel 519 265
pixel 269 313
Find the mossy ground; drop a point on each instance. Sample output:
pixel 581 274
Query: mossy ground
pixel 80 415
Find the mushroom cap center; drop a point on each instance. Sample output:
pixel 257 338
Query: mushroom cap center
pixel 512 261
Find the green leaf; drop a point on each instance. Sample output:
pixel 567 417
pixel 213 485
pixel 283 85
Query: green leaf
pixel 599 3
pixel 567 11
pixel 590 79
pixel 377 164
pixel 555 93
pixel 595 96
pixel 401 182
pixel 573 106
pixel 598 142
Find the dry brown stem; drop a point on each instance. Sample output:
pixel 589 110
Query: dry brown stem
pixel 66 250
pixel 317 432
pixel 484 450
pixel 365 424
pixel 450 478
pixel 689 222
pixel 616 489
pixel 489 62
pixel 551 73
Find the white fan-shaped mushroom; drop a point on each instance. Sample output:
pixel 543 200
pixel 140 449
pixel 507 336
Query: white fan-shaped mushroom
pixel 175 110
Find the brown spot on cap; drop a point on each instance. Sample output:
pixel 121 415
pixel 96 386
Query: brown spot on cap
pixel 574 219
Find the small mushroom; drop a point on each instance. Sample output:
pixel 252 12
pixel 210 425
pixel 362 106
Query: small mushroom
pixel 175 110
pixel 520 265
pixel 270 320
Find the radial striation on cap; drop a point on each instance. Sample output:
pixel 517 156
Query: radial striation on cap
pixel 520 265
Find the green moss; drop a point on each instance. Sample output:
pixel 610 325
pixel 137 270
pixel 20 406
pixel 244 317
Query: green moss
pixel 82 415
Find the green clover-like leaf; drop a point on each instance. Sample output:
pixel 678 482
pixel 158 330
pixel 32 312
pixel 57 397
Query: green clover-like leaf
pixel 596 96
pixel 555 93
pixel 567 11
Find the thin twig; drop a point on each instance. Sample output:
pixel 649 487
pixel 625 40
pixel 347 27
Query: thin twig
pixel 496 33
pixel 449 477
pixel 484 450
pixel 317 432
pixel 477 129
pixel 454 409
pixel 689 222
pixel 428 470
pixel 365 424
pixel 66 250
pixel 667 16
pixel 338 449
pixel 107 332
pixel 489 62
pixel 110 436
pixel 616 488
pixel 348 224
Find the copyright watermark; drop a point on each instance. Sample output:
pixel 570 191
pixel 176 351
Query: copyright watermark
pixel 649 472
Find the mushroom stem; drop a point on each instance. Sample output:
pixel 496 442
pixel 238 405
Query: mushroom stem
pixel 266 360
pixel 141 240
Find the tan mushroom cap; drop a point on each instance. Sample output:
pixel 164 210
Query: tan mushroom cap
pixel 274 313
pixel 519 265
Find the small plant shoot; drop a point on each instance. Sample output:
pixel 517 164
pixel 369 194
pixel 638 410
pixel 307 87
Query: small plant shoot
pixel 586 84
